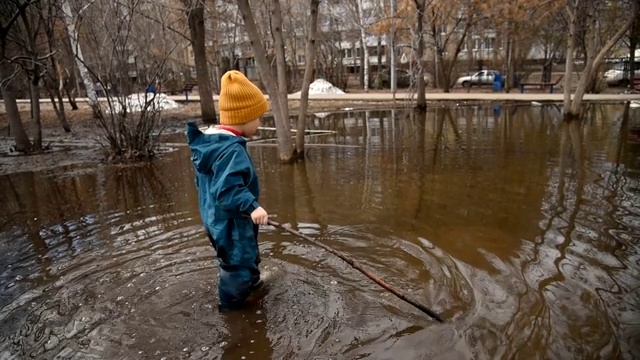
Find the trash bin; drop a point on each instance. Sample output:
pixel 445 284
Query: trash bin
pixel 497 82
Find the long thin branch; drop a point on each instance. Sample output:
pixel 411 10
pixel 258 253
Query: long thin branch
pixel 356 265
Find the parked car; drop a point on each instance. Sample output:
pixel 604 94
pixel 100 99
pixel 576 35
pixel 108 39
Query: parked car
pixel 618 75
pixel 484 77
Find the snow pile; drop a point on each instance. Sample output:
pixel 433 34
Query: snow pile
pixel 322 86
pixel 136 103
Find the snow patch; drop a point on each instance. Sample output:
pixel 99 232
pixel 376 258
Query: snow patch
pixel 136 102
pixel 322 86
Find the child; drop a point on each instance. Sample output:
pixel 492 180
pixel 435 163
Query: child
pixel 228 188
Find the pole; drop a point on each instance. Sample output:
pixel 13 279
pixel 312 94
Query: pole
pixel 356 265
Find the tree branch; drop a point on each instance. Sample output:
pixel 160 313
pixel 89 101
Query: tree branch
pixel 5 29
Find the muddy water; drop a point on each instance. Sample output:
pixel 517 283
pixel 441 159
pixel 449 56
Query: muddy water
pixel 522 231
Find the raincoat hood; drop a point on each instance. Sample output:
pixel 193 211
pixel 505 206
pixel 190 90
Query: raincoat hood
pixel 207 146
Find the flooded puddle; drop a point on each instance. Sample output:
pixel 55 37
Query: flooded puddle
pixel 521 230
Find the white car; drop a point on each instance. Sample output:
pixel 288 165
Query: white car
pixel 618 75
pixel 484 77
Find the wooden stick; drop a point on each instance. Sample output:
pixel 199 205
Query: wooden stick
pixel 359 267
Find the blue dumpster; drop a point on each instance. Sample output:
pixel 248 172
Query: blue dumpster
pixel 497 82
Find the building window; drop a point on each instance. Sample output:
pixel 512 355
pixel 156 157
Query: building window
pixel 301 59
pixel 485 44
pixel 477 44
pixel 488 44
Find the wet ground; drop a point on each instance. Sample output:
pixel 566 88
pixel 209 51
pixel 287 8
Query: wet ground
pixel 521 230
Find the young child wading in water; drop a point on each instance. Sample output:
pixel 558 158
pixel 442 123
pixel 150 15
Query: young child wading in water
pixel 228 188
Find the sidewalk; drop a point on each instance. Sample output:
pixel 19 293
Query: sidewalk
pixel 541 97
pixel 430 96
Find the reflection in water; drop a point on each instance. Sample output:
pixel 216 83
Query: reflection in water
pixel 518 227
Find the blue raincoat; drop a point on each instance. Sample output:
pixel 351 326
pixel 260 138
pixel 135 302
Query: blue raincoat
pixel 228 190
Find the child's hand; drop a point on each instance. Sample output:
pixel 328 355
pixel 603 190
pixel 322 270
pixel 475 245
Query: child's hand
pixel 260 216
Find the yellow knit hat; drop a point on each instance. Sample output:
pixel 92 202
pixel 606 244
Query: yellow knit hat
pixel 240 100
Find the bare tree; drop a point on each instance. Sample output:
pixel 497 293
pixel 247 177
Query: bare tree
pixel 449 27
pixel 421 6
pixel 285 145
pixel 9 15
pixel 48 16
pixel 281 64
pixel 31 61
pixel 70 19
pixel 310 53
pixel 364 64
pixel 584 19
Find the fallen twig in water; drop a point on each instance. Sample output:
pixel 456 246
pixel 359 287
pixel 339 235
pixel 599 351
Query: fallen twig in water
pixel 359 267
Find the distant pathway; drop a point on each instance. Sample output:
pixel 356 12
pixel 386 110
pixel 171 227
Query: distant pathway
pixel 435 96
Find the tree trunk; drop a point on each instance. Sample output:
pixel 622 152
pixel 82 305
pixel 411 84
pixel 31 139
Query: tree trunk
pixel 214 52
pixel 67 74
pixel 632 65
pixel 56 95
pixel 23 144
pixel 63 115
pixel 634 37
pixel 309 55
pixel 52 97
pixel 195 15
pixel 568 72
pixel 361 62
pixel 392 52
pixel 56 92
pixel 35 110
pixel 446 77
pixel 68 85
pixel 365 49
pixel 379 50
pixel 285 145
pixel 420 89
pixel 69 90
pixel 77 52
pixel 34 77
pixel 281 64
pixel 509 69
